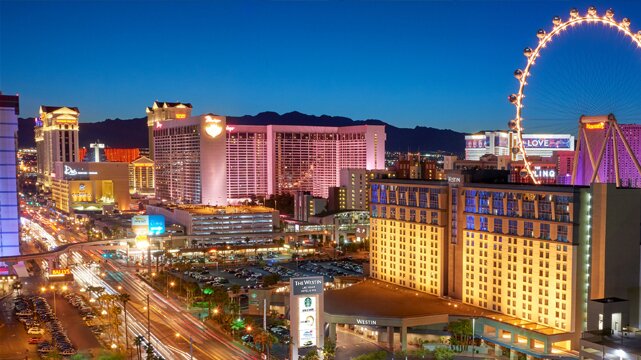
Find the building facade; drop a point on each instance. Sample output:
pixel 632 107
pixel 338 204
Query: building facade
pixel 190 160
pixel 522 251
pixel 217 224
pixel 141 176
pixel 56 133
pixel 278 159
pixel 161 111
pixel 9 214
pixel 307 205
pixel 90 186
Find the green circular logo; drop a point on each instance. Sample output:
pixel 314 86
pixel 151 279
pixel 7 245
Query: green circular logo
pixel 308 302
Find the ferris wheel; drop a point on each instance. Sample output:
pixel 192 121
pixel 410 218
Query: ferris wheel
pixel 544 39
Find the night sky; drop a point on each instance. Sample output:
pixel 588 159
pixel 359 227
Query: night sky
pixel 446 64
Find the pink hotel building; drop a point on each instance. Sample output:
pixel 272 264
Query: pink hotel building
pixel 264 159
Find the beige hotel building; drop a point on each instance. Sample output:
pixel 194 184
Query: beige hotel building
pixel 547 260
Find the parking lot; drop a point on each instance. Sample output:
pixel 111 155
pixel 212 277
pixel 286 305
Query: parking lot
pixel 253 276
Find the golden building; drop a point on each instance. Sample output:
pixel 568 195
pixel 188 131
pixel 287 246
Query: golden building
pixel 141 176
pixel 518 250
pixel 56 135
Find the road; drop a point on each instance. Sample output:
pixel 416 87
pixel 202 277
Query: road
pixel 167 317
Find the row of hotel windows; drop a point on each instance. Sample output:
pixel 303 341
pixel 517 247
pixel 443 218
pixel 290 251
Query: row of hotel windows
pixel 512 229
pixel 402 214
pixel 422 197
pixel 479 202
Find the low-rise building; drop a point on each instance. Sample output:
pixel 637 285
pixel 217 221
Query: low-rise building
pixel 216 224
pixel 90 186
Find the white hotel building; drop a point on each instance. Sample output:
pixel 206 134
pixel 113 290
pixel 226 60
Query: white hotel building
pixel 500 143
pixel 256 160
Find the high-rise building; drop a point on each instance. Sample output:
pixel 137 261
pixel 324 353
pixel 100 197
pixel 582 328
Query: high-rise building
pixel 141 176
pixel 121 154
pixel 353 192
pixel 543 256
pixel 161 111
pixel 56 134
pixel 190 160
pixel 306 205
pixel 277 159
pixel 9 215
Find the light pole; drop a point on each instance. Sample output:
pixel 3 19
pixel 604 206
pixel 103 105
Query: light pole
pixel 473 343
pixel 191 346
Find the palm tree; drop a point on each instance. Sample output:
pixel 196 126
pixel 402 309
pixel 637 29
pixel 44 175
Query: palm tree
pixel 265 340
pixel 138 340
pixel 124 299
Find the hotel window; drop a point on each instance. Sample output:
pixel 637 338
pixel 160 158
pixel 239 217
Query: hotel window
pixel 412 215
pixel 374 211
pixel 423 214
pixel 434 198
pixel 562 233
pixel 375 190
pixel 528 229
pixel 423 194
pixel 392 194
pixel 562 208
pixel 498 226
pixel 470 201
pixel 528 209
pixel 412 197
pixel 512 227
pixel 545 208
pixel 545 231
pixel 497 204
pixel 402 214
pixel 469 223
pixel 434 218
pixel 402 195
pixel 512 205
pixel 484 202
pixel 483 223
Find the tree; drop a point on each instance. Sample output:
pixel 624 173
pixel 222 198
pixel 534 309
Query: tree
pixel 271 279
pixel 138 341
pixel 124 299
pixel 311 355
pixel 443 353
pixel 461 331
pixel 237 324
pixel 377 355
pixel 265 340
pixel 329 350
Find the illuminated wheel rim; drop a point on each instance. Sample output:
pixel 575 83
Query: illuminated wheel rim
pixel 532 54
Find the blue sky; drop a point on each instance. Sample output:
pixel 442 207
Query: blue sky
pixel 446 64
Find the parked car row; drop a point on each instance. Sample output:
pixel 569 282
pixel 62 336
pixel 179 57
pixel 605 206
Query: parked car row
pixel 282 271
pixel 348 265
pixel 282 333
pixel 78 302
pixel 41 313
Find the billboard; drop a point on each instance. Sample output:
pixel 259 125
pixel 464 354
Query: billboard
pixel 306 311
pixel 148 225
pixel 307 317
pixel 548 141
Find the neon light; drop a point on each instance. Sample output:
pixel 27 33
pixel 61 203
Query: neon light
pixel 596 126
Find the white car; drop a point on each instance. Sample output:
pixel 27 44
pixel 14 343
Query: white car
pixel 35 331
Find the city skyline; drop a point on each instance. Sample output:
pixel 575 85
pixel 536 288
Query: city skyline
pixel 333 66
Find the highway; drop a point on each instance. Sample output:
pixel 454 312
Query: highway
pixel 168 317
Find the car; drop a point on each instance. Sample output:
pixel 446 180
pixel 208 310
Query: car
pixel 35 331
pixel 247 338
pixel 35 340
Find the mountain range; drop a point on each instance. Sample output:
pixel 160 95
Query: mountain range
pixel 111 131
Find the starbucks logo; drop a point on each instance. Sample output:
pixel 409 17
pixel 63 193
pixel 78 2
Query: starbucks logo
pixel 308 302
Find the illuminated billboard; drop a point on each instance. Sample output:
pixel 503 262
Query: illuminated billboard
pixel 148 225
pixel 307 317
pixel 548 141
pixel 306 301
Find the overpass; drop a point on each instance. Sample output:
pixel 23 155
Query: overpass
pixel 122 243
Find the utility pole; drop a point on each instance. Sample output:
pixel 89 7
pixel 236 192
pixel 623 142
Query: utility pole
pixel 148 322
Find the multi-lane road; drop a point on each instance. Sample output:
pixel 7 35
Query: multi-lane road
pixel 175 332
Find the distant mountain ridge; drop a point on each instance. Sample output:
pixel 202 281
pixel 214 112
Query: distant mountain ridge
pixel 133 132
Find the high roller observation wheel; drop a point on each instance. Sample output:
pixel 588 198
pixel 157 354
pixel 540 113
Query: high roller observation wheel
pixel 544 39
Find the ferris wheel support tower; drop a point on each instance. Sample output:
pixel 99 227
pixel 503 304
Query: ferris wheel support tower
pixel 612 129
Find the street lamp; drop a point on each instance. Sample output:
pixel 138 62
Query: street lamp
pixel 620 353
